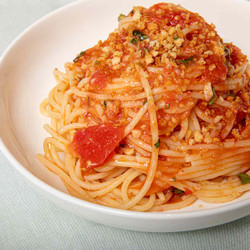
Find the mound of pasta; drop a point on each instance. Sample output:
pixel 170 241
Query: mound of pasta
pixel 153 118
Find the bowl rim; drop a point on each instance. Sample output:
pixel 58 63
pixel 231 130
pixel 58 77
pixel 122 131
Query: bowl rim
pixel 86 204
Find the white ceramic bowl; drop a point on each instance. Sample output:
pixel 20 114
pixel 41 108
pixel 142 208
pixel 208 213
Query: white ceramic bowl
pixel 26 78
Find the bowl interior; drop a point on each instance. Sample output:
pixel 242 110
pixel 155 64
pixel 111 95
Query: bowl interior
pixel 26 68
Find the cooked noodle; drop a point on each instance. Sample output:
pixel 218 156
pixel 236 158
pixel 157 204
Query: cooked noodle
pixel 172 98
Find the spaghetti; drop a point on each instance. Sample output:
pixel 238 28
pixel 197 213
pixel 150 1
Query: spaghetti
pixel 153 118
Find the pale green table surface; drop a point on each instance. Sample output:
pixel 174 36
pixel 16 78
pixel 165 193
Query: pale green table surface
pixel 28 221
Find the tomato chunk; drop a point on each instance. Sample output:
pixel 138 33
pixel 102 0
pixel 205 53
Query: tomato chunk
pixel 95 144
pixel 237 58
pixel 99 80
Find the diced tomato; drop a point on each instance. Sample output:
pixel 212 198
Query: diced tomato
pixel 187 191
pixel 237 57
pixel 94 145
pixel 220 71
pixel 98 80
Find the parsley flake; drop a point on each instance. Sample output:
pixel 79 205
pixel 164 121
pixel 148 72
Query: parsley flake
pixel 120 17
pixel 157 144
pixel 143 37
pixel 77 58
pixel 232 94
pixel 140 35
pixel 213 98
pixel 105 104
pixel 245 178
pixel 187 60
pixel 178 191
pixel 134 40
pixel 137 33
pixel 227 51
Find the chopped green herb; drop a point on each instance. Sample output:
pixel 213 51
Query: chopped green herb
pixel 227 51
pixel 213 98
pixel 245 178
pixel 105 104
pixel 176 38
pixel 120 17
pixel 145 101
pixel 122 145
pixel 186 61
pixel 137 33
pixel 157 144
pixel 81 54
pixel 143 37
pixel 232 94
pixel 174 179
pixel 96 63
pixel 140 35
pixel 134 40
pixel 177 191
pixel 168 106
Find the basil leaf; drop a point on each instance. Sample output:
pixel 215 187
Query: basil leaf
pixel 244 178
pixel 227 51
pixel 213 98
pixel 232 94
pixel 143 37
pixel 178 191
pixel 105 104
pixel 134 40
pixel 186 61
pixel 137 33
pixel 120 17
pixel 81 54
pixel 140 35
pixel 157 144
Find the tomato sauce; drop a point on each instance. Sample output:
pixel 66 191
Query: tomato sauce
pixel 160 12
pixel 157 186
pixel 99 80
pixel 220 70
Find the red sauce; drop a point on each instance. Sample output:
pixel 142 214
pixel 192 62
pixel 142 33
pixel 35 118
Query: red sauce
pixel 187 191
pixel 236 57
pixel 157 187
pixel 160 185
pixel 219 72
pixel 94 145
pixel 173 15
pixel 99 80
